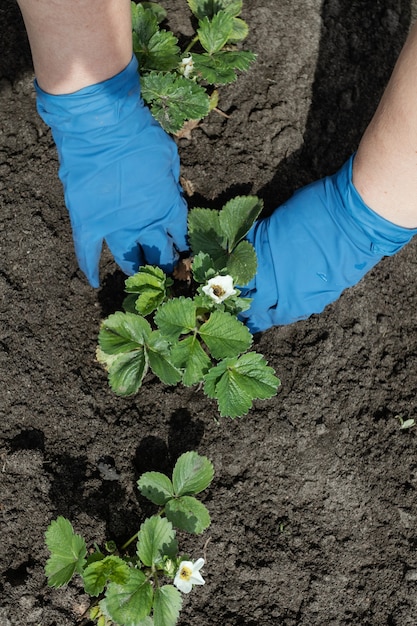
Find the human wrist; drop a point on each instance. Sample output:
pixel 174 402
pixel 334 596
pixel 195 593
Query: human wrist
pixel 97 106
pixel 79 43
pixel 361 222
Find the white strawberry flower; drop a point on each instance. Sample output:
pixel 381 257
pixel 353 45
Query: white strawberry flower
pixel 219 288
pixel 188 574
pixel 187 64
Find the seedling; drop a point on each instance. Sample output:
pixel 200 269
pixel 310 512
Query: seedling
pixel 197 338
pixel 180 84
pixel 405 424
pixel 133 588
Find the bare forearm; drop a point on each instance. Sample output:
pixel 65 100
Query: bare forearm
pixel 385 167
pixel 76 43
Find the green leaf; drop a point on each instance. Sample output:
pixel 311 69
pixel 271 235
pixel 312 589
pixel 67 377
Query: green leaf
pixel 174 99
pixel 237 304
pixel 146 276
pixel 224 335
pixel 156 487
pixel 176 317
pixel 188 355
pixel 237 218
pixel 130 603
pixel 147 621
pixel 242 263
pixel 123 332
pixel 144 22
pixel 161 52
pixel 167 606
pixel 240 30
pixel 237 59
pixel 236 382
pixel 97 574
pixel 192 474
pixel 212 69
pixel 205 304
pixel 155 49
pixel 219 68
pixel 189 514
pixel 129 303
pixel 156 539
pixel 204 232
pixel 214 99
pixel 150 283
pixel 208 8
pixel 125 371
pixel 202 267
pixel 95 556
pixel 158 10
pixel 160 359
pixel 122 350
pixel 214 33
pixel 68 551
pixel 149 301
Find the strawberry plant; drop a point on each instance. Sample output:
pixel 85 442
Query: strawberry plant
pixel 135 589
pixel 197 338
pixel 179 84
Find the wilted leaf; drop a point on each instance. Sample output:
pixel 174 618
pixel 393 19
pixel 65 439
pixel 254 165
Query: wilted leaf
pixel 185 133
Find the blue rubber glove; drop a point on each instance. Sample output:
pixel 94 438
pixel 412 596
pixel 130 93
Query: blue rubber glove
pixel 120 174
pixel 323 240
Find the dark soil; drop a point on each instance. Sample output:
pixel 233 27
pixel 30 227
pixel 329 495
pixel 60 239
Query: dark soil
pixel 313 505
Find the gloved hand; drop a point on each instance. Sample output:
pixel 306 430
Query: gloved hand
pixel 120 174
pixel 324 239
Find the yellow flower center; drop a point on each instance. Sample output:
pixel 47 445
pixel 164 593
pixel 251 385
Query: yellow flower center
pixel 186 573
pixel 218 291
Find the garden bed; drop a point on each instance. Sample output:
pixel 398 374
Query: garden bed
pixel 313 503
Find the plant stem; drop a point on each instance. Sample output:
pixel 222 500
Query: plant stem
pixel 155 576
pixel 191 44
pixel 135 536
pixel 129 541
